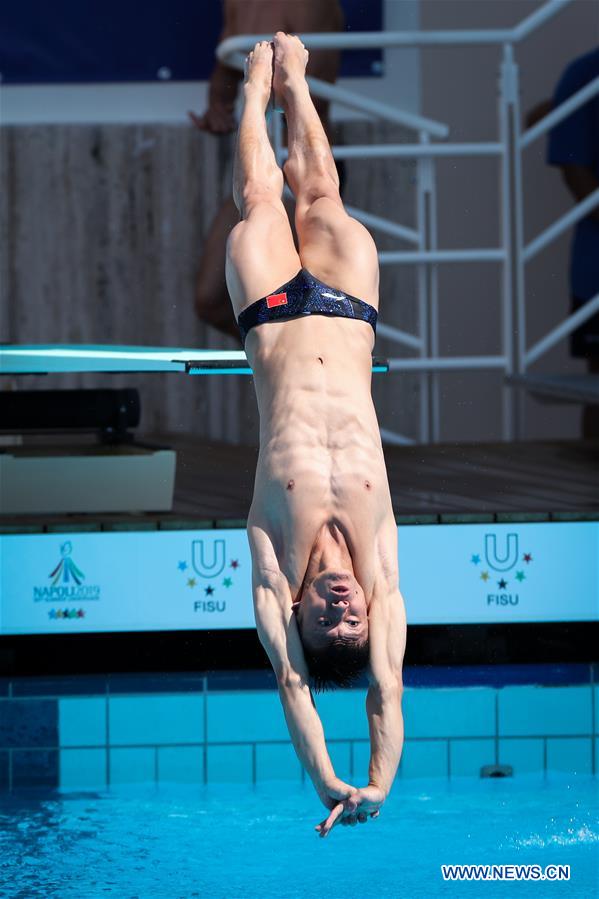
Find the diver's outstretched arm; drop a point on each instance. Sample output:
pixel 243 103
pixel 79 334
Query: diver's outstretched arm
pixel 278 633
pixel 387 638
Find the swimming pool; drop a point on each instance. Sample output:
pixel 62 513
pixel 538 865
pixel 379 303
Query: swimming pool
pixel 227 841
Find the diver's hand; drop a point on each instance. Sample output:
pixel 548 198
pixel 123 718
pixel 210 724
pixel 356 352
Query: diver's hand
pixel 334 791
pixel 219 118
pixel 358 807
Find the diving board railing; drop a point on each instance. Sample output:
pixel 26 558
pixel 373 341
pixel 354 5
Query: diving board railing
pixel 514 357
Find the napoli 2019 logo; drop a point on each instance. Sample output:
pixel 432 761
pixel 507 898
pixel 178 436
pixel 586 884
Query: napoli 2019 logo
pixel 208 564
pixel 505 565
pixel 66 570
pixel 66 583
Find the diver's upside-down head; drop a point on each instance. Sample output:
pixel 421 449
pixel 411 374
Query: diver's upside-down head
pixel 332 620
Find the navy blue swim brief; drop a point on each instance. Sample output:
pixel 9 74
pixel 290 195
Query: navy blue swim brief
pixel 304 295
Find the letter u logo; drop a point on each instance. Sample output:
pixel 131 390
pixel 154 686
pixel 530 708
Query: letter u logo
pixel 504 562
pixel 216 564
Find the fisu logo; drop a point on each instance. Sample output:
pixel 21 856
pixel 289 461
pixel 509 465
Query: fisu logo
pixel 509 552
pixel 211 567
pixel 501 555
pixel 202 574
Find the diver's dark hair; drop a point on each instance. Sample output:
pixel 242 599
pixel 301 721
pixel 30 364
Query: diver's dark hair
pixel 340 664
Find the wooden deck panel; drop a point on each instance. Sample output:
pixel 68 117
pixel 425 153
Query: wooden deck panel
pixel 520 477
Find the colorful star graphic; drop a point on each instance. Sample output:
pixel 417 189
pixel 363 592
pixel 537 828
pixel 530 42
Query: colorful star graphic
pixel 520 576
pixel 209 590
pixel 502 584
pixel 527 557
pixel 234 563
pixel 81 613
pixel 52 613
pixel 182 566
pixel 475 559
pixel 484 576
pixel 191 582
pixel 227 582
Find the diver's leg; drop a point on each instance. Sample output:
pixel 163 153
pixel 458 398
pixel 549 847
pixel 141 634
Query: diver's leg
pixel 333 246
pixel 260 251
pixel 310 168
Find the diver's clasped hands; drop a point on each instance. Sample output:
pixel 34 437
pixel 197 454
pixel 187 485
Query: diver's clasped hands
pixel 349 805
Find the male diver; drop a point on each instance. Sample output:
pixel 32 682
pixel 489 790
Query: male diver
pixel 321 526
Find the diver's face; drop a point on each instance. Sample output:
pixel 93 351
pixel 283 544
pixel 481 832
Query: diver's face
pixel 332 607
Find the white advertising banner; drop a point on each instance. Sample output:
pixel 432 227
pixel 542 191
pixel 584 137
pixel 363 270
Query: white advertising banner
pixel 185 580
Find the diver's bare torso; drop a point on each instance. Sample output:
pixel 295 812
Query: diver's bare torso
pixel 321 462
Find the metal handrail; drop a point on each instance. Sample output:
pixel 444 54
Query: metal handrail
pixel 448 363
pixel 400 257
pixel 399 336
pixel 326 91
pixel 375 40
pixel 333 92
pixel 561 112
pixel 574 215
pixel 538 18
pixel 410 151
pixel 562 330
pixel 382 224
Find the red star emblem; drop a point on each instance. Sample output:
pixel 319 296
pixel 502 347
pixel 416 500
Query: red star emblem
pixel 527 557
pixel 234 563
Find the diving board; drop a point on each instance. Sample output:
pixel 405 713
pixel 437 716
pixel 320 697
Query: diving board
pixel 44 359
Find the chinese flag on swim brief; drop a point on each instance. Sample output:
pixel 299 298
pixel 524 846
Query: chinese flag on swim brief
pixel 276 299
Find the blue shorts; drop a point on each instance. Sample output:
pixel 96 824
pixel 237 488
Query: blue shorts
pixel 584 340
pixel 304 295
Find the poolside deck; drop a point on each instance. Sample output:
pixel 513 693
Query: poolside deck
pixel 439 481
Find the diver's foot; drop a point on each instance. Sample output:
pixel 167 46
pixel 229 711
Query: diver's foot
pixel 259 71
pixel 291 59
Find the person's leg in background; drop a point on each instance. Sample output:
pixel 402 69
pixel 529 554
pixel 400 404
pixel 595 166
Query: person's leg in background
pixel 590 413
pixel 211 298
pixel 584 344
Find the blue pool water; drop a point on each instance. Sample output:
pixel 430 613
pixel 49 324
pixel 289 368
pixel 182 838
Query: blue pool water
pixel 224 842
